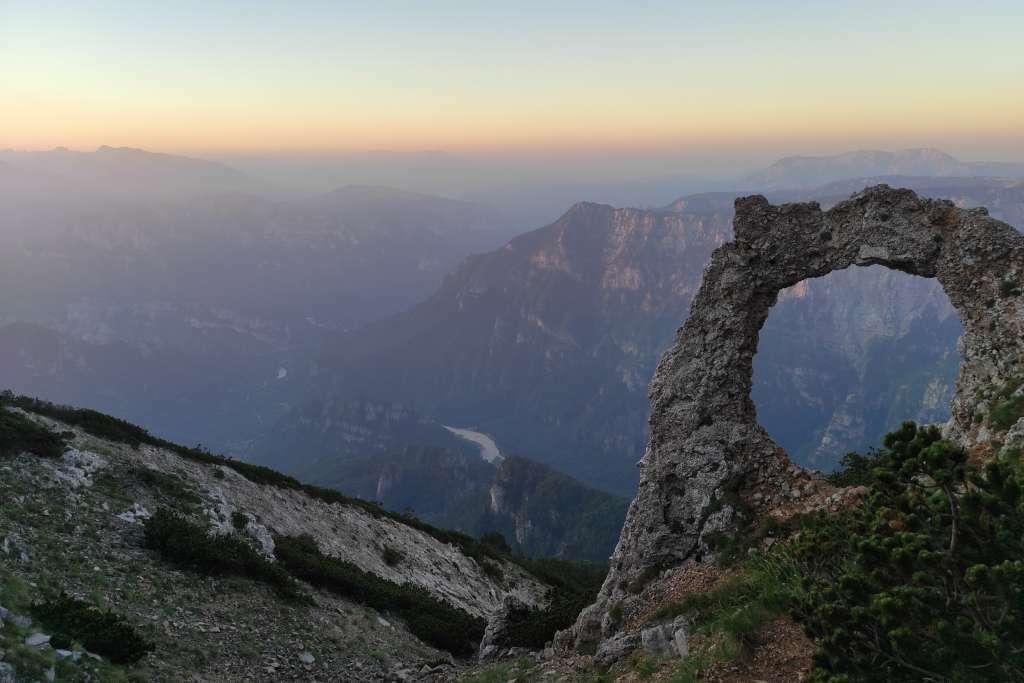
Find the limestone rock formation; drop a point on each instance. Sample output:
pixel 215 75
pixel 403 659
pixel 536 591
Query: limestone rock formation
pixel 708 461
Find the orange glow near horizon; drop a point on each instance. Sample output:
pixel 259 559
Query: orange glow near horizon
pixel 215 80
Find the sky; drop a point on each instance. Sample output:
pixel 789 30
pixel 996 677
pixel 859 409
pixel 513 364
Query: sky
pixel 717 79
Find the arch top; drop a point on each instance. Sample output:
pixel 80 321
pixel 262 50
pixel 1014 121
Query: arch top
pixel 880 225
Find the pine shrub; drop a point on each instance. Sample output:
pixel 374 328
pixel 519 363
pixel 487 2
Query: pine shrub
pixel 188 545
pixel 100 631
pixel 431 620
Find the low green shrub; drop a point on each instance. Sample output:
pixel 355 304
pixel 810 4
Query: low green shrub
pixel 239 520
pixel 493 569
pixel 429 619
pixel 96 423
pixel 18 434
pixel 189 546
pixel 1006 413
pixel 855 469
pixel 925 580
pixel 100 631
pixel 166 484
pixel 495 540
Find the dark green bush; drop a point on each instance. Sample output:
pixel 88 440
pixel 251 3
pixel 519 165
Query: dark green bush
pixel 102 632
pixel 18 434
pixel 239 520
pixel 925 581
pixel 166 484
pixel 855 469
pixel 429 619
pixel 533 628
pixel 97 424
pixel 493 570
pixel 495 540
pixel 1005 413
pixel 189 546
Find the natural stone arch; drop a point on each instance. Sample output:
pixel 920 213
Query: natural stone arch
pixel 706 445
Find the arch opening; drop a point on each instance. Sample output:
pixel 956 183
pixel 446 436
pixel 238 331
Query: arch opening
pixel 846 357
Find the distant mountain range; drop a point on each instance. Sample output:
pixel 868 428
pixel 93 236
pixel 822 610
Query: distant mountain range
pixel 795 173
pixel 116 173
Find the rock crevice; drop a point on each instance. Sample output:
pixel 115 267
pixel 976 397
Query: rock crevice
pixel 706 450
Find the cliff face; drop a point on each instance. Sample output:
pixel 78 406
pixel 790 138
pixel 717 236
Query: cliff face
pixel 707 452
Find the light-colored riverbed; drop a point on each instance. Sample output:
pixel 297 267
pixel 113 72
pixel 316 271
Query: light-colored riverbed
pixel 488 449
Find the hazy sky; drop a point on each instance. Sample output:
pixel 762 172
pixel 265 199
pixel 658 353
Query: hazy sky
pixel 708 77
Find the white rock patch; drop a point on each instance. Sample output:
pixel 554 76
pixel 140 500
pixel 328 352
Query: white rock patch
pixel 135 514
pixel 78 467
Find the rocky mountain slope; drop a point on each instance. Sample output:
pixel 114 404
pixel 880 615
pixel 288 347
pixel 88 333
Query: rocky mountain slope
pixel 80 493
pixel 547 343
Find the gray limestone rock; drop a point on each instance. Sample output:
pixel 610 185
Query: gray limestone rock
pixel 494 633
pixel 37 640
pixel 706 448
pixel 615 648
pixel 681 640
pixel 657 639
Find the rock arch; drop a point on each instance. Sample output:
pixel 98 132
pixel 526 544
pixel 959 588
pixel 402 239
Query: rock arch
pixel 706 446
